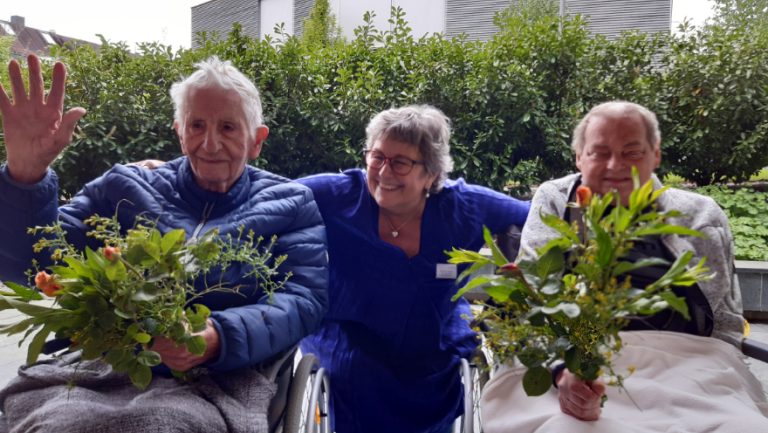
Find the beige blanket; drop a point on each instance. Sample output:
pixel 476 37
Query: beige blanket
pixel 683 383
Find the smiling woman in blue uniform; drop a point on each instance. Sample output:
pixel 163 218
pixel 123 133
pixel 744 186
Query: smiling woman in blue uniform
pixel 392 338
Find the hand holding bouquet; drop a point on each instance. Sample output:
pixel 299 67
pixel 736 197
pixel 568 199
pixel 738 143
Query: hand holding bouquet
pixel 571 301
pixel 111 302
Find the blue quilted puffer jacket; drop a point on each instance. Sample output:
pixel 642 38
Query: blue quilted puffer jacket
pixel 251 329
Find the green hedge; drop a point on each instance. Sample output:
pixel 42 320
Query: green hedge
pixel 747 213
pixel 513 100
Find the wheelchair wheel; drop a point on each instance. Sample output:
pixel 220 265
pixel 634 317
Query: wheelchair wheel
pixel 307 410
pixel 474 375
pixel 469 376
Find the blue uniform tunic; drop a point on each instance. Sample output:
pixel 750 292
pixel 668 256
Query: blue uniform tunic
pixel 392 338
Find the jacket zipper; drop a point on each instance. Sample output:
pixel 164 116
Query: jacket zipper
pixel 207 209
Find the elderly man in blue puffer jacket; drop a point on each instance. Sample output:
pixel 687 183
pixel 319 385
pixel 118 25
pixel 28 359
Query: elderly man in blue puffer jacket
pixel 219 124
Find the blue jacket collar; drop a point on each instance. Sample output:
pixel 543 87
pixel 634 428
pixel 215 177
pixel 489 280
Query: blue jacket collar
pixel 220 203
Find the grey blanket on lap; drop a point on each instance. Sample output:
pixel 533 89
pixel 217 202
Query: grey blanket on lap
pixel 64 396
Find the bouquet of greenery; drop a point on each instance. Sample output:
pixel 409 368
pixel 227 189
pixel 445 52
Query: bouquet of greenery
pixel 571 302
pixel 110 303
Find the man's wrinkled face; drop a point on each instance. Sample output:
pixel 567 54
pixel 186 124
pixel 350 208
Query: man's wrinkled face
pixel 613 144
pixel 216 138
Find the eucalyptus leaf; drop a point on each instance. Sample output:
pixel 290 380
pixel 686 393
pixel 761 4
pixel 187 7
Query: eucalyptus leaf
pixel 148 358
pixel 143 295
pixel 551 287
pixel 536 381
pixel 140 375
pixel 142 337
pixel 551 262
pixel 569 309
pixel 196 345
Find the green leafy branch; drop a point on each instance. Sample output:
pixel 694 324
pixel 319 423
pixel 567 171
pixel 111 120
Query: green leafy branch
pixel 571 302
pixel 110 303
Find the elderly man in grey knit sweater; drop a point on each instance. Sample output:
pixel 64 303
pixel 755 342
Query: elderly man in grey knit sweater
pixel 611 139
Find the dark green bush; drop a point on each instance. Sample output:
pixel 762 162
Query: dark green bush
pixel 714 91
pixel 513 100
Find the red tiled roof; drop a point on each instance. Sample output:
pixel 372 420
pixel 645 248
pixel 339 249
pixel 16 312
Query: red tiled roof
pixel 30 40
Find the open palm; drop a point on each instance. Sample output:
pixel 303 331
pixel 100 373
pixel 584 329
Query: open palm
pixel 35 126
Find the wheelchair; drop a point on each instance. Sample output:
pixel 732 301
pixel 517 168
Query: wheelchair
pixel 301 404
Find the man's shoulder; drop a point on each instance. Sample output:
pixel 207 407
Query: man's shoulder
pixel 699 209
pixel 265 185
pixel 689 202
pixel 556 188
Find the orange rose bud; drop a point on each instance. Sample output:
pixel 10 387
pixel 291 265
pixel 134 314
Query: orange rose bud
pixel 46 282
pixel 111 253
pixel 510 270
pixel 583 196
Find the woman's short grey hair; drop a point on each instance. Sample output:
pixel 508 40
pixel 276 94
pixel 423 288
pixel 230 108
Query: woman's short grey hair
pixel 423 126
pixel 214 73
pixel 653 134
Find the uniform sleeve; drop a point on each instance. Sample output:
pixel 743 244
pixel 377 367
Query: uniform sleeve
pixel 492 209
pixel 505 211
pixel 254 333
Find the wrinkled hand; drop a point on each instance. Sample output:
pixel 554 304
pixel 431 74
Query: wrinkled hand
pixel 578 398
pixel 178 357
pixel 36 128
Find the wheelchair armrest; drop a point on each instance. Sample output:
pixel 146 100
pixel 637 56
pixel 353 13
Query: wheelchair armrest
pixel 755 349
pixel 56 345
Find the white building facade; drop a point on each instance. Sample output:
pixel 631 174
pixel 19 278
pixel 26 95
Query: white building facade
pixel 450 17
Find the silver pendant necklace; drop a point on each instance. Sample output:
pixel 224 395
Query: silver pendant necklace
pixel 396 230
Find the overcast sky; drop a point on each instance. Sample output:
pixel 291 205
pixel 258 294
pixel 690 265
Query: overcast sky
pixel 168 21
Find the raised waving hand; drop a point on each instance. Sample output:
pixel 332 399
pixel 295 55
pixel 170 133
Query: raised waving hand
pixel 35 125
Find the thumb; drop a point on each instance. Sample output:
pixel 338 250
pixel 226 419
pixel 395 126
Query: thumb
pixel 598 387
pixel 67 128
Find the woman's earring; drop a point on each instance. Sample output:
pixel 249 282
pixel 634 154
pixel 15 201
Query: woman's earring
pixel 427 193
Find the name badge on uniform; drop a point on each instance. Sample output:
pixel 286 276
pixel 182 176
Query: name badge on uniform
pixel 445 271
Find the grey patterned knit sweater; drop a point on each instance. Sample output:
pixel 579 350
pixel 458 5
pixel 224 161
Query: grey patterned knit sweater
pixel 699 212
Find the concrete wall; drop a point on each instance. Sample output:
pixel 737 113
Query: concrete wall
pixel 472 17
pixel 753 279
pixel 451 17
pixel 611 17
